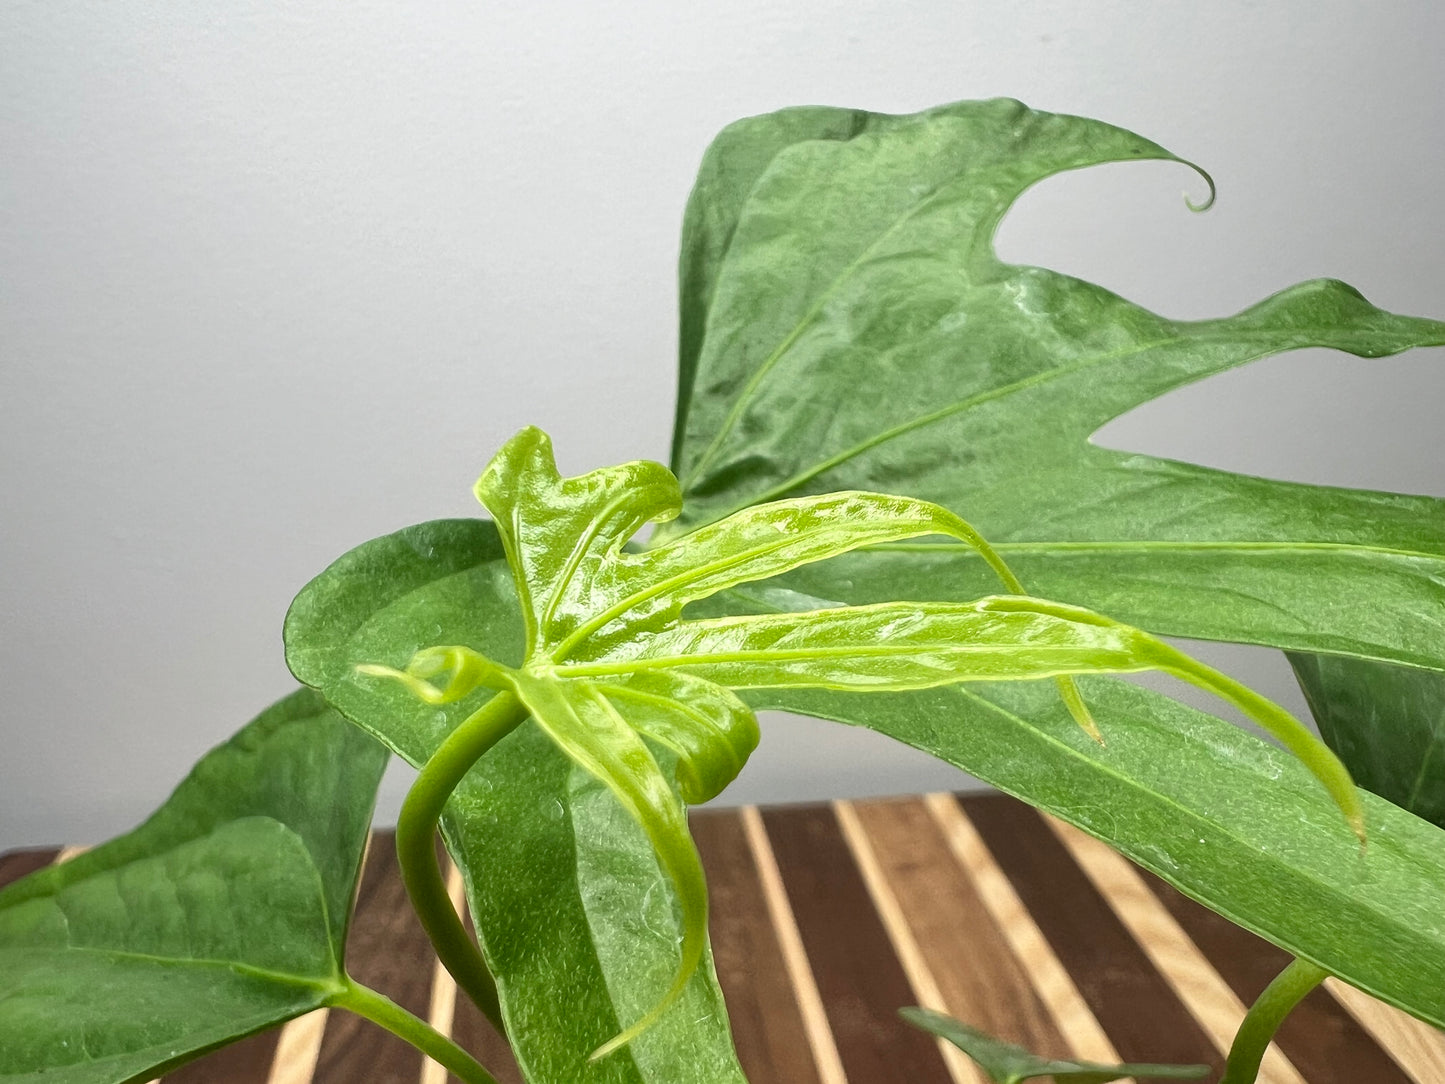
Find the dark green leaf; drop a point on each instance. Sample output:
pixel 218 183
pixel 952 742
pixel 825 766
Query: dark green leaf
pixel 1006 1063
pixel 1232 821
pixel 831 251
pixel 1387 723
pixel 223 914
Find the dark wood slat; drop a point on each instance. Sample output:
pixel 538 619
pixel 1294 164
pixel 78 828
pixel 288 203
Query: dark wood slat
pixel 17 864
pixel 388 951
pixel 245 1062
pixel 1138 1010
pixel 858 975
pixel 768 1030
pixel 1325 1043
pixel 980 978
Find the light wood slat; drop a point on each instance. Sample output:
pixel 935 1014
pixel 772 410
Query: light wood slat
pixel 1415 1045
pixel 1206 995
pixel 298 1048
pixel 810 1002
pixel 1056 990
pixel 442 1010
pixel 915 965
pixel 981 980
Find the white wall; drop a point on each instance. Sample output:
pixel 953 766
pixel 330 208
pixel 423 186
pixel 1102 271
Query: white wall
pixel 277 278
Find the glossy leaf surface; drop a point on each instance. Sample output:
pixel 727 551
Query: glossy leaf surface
pixel 827 250
pixel 831 250
pixel 224 913
pixel 1006 1063
pixel 1386 722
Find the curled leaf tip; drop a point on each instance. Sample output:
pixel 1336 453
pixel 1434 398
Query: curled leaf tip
pixel 1074 701
pixel 1198 208
pixel 422 690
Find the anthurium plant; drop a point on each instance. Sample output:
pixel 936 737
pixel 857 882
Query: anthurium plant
pixel 916 560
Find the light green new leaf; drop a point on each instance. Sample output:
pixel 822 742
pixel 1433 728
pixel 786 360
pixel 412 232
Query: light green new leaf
pixel 565 887
pixel 912 645
pixel 1006 1063
pixel 581 591
pixel 223 914
pixel 828 251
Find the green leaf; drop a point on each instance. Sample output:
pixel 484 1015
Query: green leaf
pixel 565 887
pixel 1228 819
pixel 223 914
pixel 1387 723
pixel 581 592
pixel 1006 1063
pixel 607 658
pixel 830 251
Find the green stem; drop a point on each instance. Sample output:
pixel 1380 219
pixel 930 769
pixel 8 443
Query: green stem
pixel 388 1014
pixel 416 846
pixel 1264 1018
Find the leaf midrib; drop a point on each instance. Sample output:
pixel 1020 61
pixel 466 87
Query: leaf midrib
pixel 740 404
pixel 1385 917
pixel 1283 547
pixel 280 977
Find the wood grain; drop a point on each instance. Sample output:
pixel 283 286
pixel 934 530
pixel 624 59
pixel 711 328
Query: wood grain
pixel 826 919
pixel 911 957
pixel 768 1029
pixel 979 977
pixel 1066 1005
pixel 859 977
pixel 1193 978
pixel 1324 1041
pixel 1144 1018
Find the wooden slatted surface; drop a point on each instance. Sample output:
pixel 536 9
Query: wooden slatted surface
pixel 827 918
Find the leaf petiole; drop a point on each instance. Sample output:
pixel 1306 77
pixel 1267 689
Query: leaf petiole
pixel 1280 997
pixel 386 1013
pixel 416 845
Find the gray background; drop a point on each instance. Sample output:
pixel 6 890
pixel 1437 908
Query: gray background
pixel 277 278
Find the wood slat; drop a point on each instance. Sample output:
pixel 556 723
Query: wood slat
pixel 1416 1045
pixel 1320 1037
pixel 978 974
pixel 768 1028
pixel 246 1062
pixel 1143 1016
pixel 1191 976
pixel 859 977
pixel 17 864
pixel 1051 980
pixel 917 967
pixel 825 920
